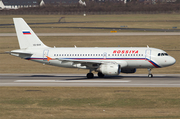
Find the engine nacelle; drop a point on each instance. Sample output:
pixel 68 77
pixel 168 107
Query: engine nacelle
pixel 128 70
pixel 110 69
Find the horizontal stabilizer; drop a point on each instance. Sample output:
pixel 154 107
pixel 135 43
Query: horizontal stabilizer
pixel 23 53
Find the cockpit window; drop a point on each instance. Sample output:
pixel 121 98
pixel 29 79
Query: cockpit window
pixel 162 54
pixel 165 54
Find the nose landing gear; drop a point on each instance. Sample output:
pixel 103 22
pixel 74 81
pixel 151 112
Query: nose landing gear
pixel 150 75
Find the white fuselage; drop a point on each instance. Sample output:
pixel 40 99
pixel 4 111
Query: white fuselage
pixel 127 57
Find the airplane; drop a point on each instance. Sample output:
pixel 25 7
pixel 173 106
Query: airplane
pixel 106 61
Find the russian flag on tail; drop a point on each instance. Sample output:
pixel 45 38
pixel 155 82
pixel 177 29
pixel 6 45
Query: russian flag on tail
pixel 26 32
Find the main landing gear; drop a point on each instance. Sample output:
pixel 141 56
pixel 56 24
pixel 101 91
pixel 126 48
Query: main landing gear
pixel 150 74
pixel 100 75
pixel 90 75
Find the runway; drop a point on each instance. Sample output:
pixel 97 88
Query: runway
pixel 80 80
pixel 103 34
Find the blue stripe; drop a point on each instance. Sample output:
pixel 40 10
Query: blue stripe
pixel 26 32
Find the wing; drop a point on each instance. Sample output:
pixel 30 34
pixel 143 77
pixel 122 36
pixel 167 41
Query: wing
pixel 90 64
pixel 93 64
pixel 79 61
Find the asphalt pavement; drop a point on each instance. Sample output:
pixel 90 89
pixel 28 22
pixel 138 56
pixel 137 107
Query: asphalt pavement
pixel 80 80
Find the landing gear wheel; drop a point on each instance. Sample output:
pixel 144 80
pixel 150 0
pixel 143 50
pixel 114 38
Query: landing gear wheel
pixel 100 75
pixel 90 75
pixel 150 75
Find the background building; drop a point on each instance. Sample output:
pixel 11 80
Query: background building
pixel 15 4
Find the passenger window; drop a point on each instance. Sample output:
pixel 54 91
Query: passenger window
pixel 54 54
pixel 112 54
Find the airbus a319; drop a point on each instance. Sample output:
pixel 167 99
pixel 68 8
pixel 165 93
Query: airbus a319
pixel 105 61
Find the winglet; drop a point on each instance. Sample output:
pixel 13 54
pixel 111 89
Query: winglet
pixel 48 58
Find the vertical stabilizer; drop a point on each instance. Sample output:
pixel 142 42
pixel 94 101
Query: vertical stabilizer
pixel 1 5
pixel 42 3
pixel 26 37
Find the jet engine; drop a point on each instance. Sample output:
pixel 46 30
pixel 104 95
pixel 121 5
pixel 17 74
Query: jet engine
pixel 109 69
pixel 128 70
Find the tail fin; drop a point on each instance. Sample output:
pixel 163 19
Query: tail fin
pixel 26 37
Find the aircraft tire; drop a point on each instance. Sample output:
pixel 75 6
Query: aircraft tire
pixel 150 75
pixel 90 75
pixel 100 75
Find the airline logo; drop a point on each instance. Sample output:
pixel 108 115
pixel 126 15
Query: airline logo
pixel 26 32
pixel 126 51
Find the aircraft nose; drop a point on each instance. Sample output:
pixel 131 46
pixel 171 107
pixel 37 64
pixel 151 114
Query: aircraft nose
pixel 172 61
pixel 169 61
